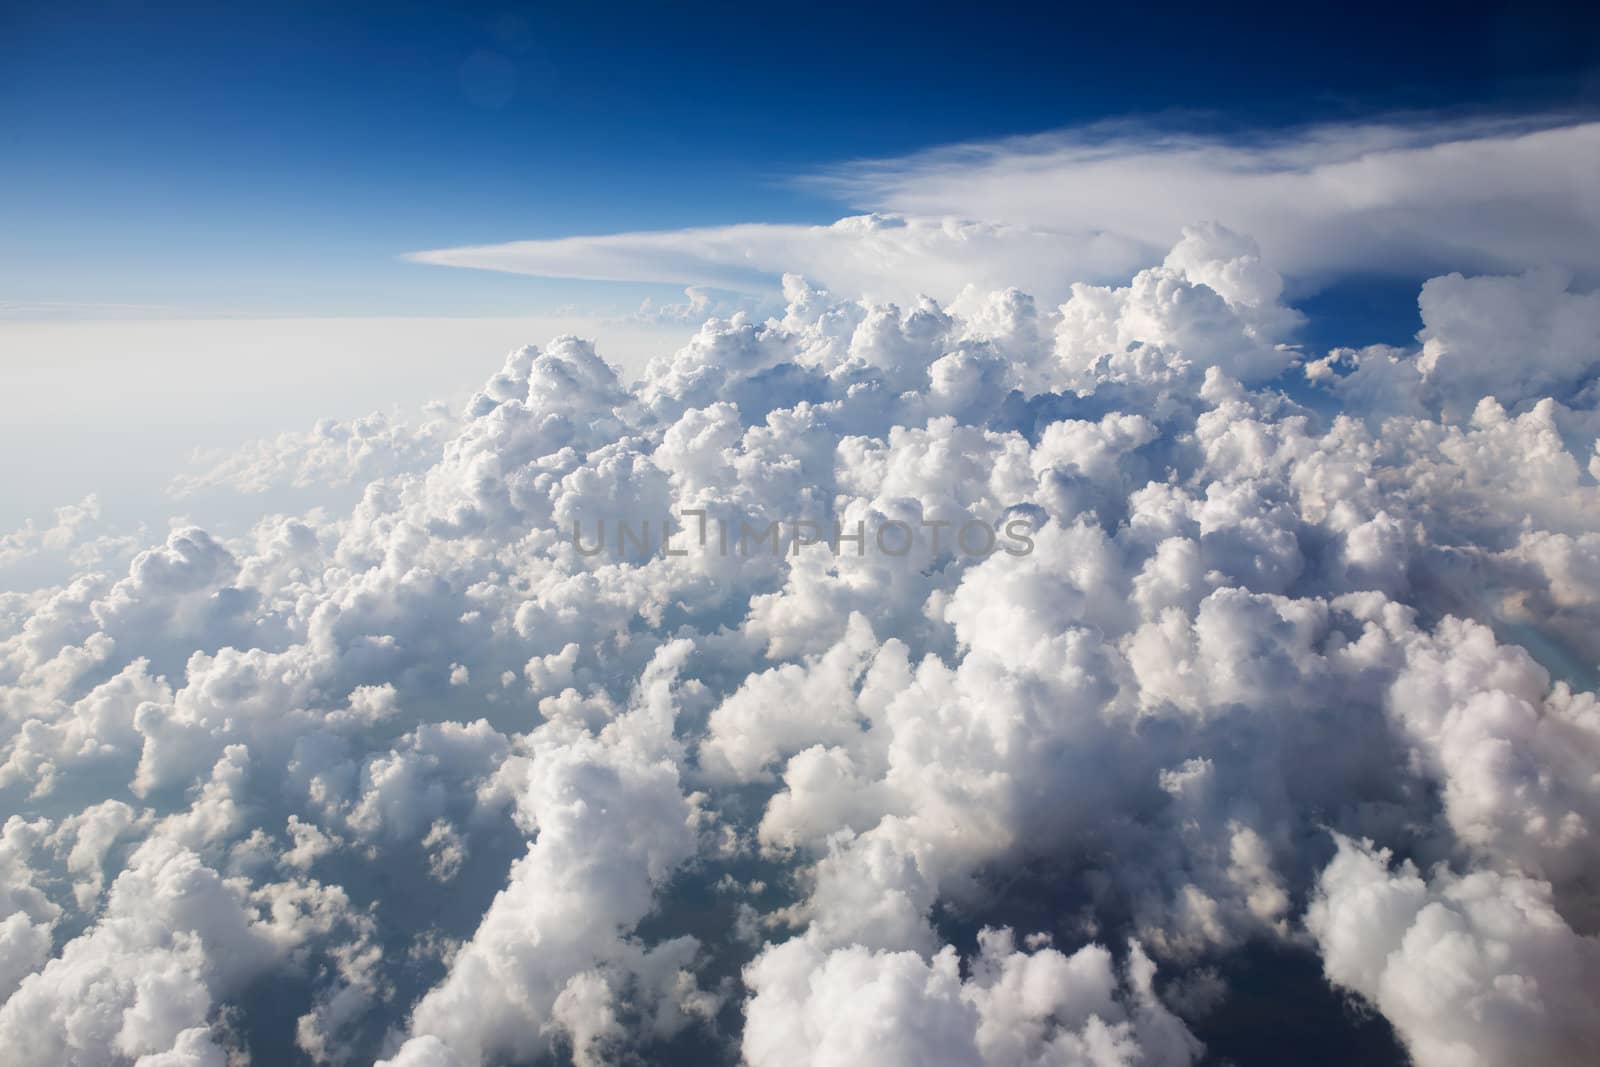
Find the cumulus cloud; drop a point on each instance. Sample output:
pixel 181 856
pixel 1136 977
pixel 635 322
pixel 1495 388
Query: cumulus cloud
pixel 1017 1007
pixel 1015 680
pixel 80 538
pixel 1474 969
pixel 331 454
pixel 612 822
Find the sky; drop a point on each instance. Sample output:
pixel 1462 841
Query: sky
pixel 280 159
pixel 220 175
pixel 1178 436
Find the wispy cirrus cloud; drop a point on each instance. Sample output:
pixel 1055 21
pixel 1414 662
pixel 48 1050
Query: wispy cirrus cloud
pixel 1403 196
pixel 888 255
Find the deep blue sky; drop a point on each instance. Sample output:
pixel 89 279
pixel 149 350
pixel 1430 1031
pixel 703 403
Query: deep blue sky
pixel 277 158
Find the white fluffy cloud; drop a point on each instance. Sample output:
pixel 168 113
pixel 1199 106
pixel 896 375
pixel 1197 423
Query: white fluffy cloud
pixel 1017 1008
pixel 1474 969
pixel 1101 653
pixel 611 823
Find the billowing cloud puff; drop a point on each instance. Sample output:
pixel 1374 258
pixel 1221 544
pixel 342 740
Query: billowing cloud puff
pixel 331 454
pixel 1474 969
pixel 997 681
pixel 612 823
pixel 1017 1007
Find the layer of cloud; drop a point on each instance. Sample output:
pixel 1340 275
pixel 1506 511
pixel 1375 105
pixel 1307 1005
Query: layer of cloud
pixel 423 779
pixel 1406 197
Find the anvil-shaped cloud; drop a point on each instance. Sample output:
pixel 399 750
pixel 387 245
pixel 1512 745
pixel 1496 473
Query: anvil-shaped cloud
pixel 1401 197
